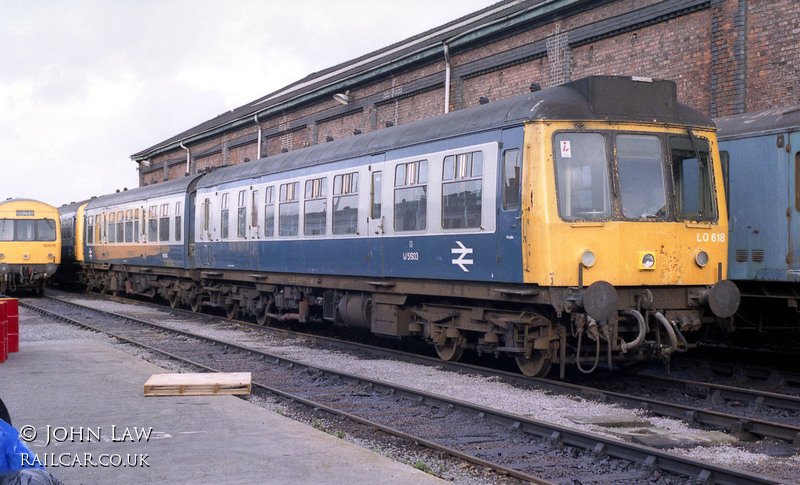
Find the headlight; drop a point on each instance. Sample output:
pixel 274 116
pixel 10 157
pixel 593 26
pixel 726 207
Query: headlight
pixel 648 261
pixel 587 259
pixel 701 258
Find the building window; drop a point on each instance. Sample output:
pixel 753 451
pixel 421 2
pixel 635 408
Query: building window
pixel 462 190
pixel 316 207
pixel 411 196
pixel 288 210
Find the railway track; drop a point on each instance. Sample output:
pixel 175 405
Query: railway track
pixel 712 414
pixel 502 441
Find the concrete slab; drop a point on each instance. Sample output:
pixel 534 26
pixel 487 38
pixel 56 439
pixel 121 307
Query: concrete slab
pixel 623 420
pixel 682 440
pixel 80 404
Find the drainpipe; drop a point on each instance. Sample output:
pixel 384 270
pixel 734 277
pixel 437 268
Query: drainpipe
pixel 446 78
pixel 258 140
pixel 188 158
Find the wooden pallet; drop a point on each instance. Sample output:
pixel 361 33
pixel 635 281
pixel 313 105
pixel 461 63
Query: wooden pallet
pixel 203 384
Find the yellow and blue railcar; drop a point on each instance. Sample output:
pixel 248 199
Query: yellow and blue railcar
pixel 72 230
pixel 30 244
pixel 580 221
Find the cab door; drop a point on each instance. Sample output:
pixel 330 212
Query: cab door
pixel 509 214
pixel 793 211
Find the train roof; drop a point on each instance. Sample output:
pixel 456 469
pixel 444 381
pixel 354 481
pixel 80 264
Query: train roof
pixel 587 99
pixel 766 122
pixel 71 207
pixel 174 186
pixel 26 201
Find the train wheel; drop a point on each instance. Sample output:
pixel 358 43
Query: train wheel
pixel 232 311
pixel 451 350
pixel 197 304
pixel 173 300
pixel 262 317
pixel 536 365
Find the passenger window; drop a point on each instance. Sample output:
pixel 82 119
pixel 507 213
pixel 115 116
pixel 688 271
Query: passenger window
pixel 206 212
pixel 224 217
pixel 462 189
pixel 241 216
pixel 120 226
pixel 111 229
pixel 163 223
pixel 178 219
pixel 376 195
pixel 152 224
pixel 316 207
pixel 269 212
pixel 254 210
pixel 411 196
pixel 345 203
pixel 288 210
pixel 128 226
pixel 511 179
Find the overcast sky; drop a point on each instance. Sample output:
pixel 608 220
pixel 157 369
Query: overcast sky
pixel 85 84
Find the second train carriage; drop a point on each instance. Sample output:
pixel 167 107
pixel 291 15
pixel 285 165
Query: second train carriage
pixel 30 244
pixel 761 155
pixel 578 221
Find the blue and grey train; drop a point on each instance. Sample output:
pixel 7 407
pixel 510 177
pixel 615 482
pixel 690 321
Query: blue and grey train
pixel 563 225
pixel 760 154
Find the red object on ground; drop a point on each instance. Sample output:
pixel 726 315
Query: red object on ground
pixel 3 332
pixel 12 325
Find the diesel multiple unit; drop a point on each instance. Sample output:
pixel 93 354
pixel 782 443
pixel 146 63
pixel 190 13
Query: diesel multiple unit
pixel 573 225
pixel 30 244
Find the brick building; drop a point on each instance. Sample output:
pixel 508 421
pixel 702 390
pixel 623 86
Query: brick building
pixel 726 56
